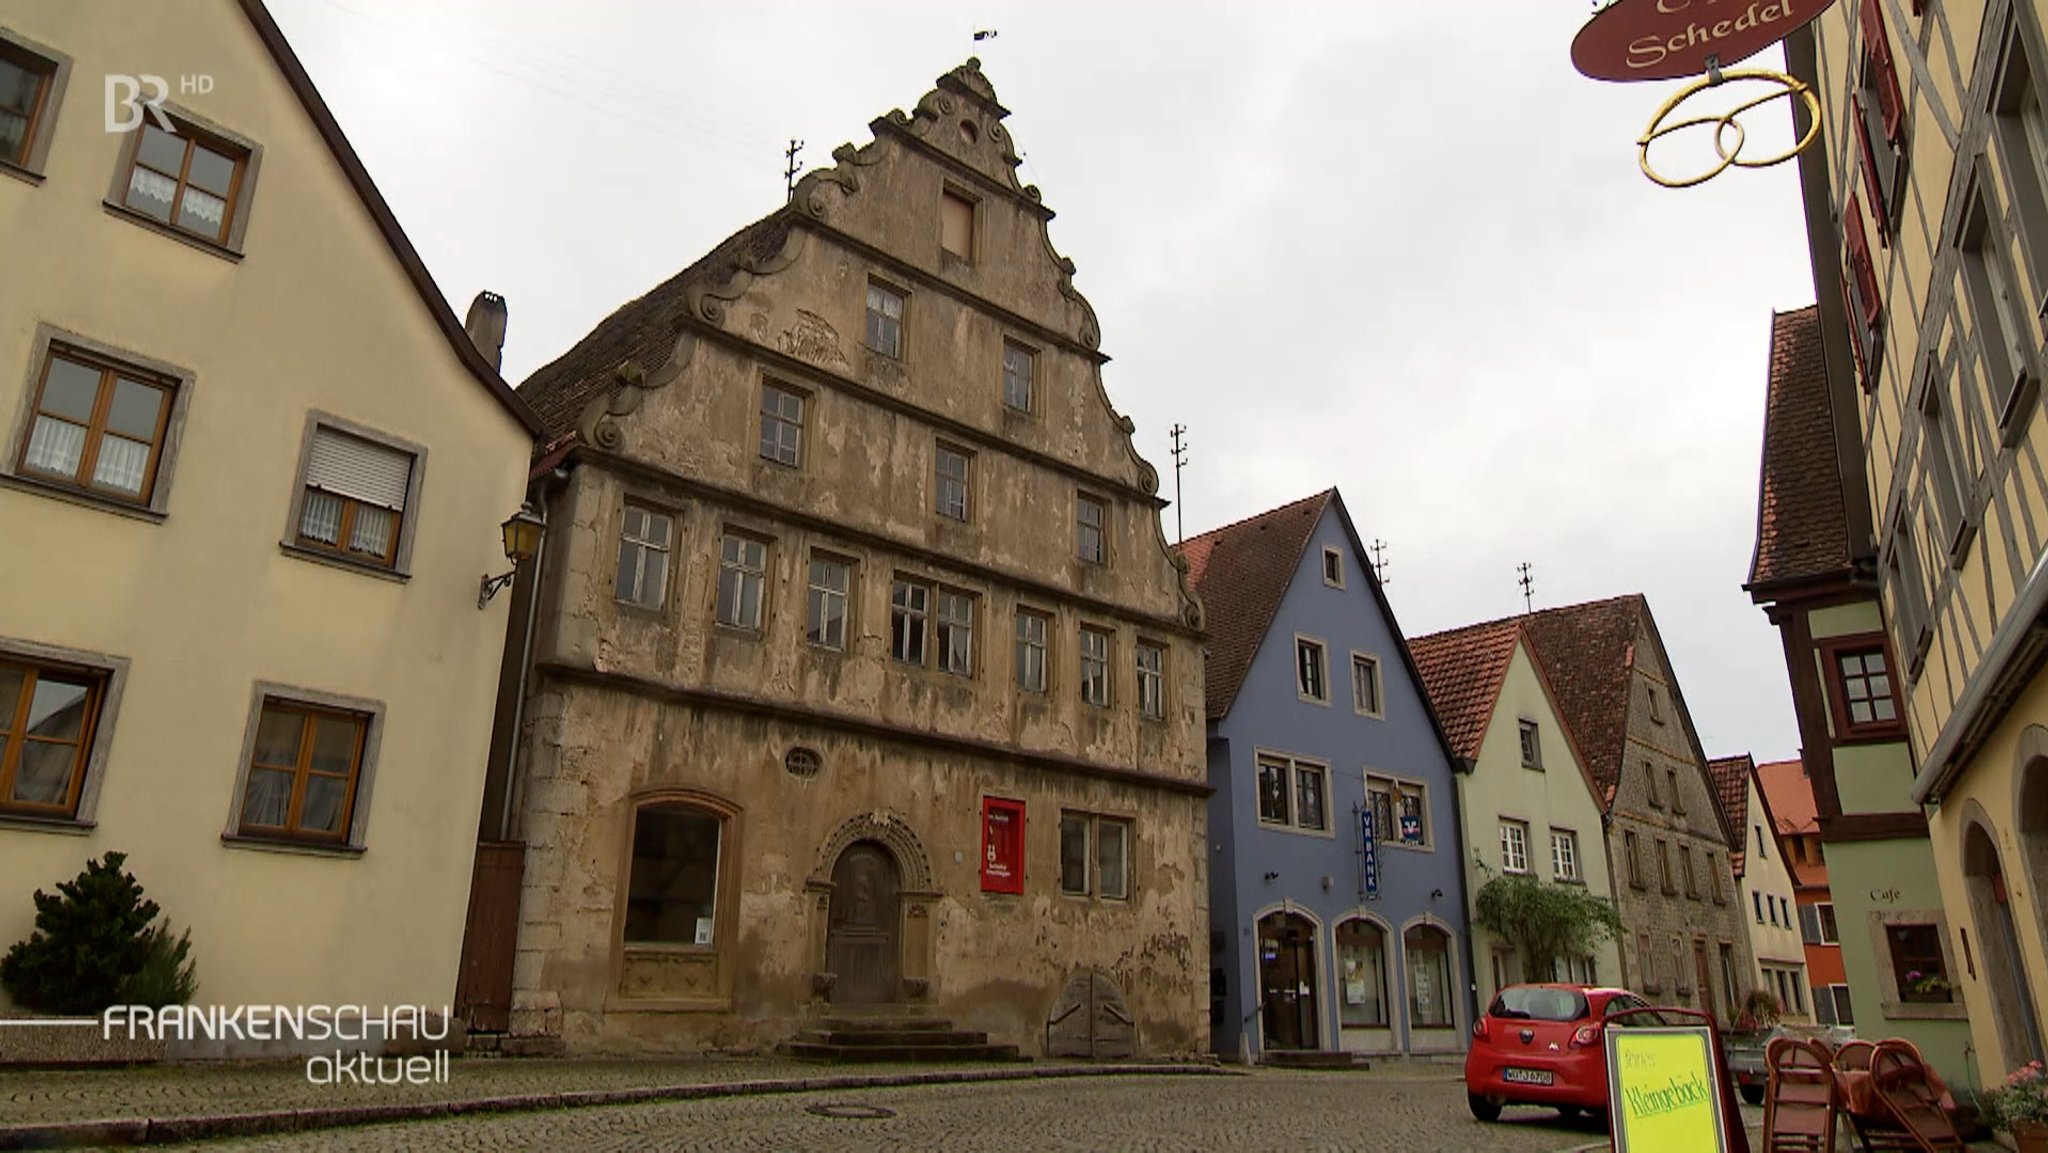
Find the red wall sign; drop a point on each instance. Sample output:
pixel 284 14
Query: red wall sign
pixel 1671 39
pixel 1002 845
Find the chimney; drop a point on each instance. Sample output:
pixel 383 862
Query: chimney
pixel 486 327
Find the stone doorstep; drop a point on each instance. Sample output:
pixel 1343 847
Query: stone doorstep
pixel 178 1130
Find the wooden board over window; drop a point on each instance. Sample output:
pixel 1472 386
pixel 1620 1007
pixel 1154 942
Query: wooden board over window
pixel 956 224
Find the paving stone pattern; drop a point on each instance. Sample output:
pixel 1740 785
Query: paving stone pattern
pixel 1407 1111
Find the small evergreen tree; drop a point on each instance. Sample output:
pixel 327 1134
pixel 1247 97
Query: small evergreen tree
pixel 96 943
pixel 1545 922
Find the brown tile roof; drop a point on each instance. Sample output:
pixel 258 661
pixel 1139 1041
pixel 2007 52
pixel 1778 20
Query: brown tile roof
pixel 641 330
pixel 1801 525
pixel 1240 572
pixel 1730 778
pixel 1462 671
pixel 1588 652
pixel 408 257
pixel 1787 795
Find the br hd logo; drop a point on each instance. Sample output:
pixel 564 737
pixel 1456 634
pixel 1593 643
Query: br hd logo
pixel 130 98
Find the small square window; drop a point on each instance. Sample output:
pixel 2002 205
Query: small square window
pixel 1034 631
pixel 304 768
pixel 782 425
pixel 1091 516
pixel 742 581
pixel 1095 647
pixel 885 320
pixel 1366 699
pixel 1311 671
pixel 1532 745
pixel 825 611
pixel 1865 695
pixel 956 224
pixel 644 539
pixel 1333 568
pixel 1020 367
pixel 188 181
pixel 1095 856
pixel 355 492
pixel 1151 681
pixel 951 485
pixel 98 426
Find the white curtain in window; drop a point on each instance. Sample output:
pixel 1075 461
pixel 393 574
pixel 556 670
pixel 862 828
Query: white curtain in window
pixel 205 207
pixel 55 446
pixel 152 186
pixel 371 532
pixel 321 518
pixel 120 464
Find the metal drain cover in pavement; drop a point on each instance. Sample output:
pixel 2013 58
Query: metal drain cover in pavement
pixel 847 1110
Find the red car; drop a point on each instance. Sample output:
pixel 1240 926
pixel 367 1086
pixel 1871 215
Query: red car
pixel 1542 1045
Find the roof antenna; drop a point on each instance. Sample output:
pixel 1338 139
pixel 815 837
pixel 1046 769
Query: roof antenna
pixel 1528 584
pixel 1379 561
pixel 795 166
pixel 1180 458
pixel 981 34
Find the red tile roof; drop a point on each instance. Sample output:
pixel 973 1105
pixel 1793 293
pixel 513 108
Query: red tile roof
pixel 1730 778
pixel 1801 524
pixel 1462 671
pixel 642 330
pixel 1241 571
pixel 1787 794
pixel 1588 652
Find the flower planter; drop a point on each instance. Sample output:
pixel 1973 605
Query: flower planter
pixel 2031 1138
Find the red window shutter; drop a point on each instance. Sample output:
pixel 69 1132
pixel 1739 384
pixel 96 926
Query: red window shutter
pixel 1864 272
pixel 1867 154
pixel 1877 54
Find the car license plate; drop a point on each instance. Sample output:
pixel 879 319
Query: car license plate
pixel 1528 1076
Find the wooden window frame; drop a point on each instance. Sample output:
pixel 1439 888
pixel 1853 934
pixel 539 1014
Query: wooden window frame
pixel 1107 660
pixel 814 630
pixel 940 452
pixel 1152 705
pixel 1091 886
pixel 1020 643
pixel 902 320
pixel 246 154
pixel 667 551
pixel 1688 871
pixel 1864 299
pixel 2009 356
pixel 1664 882
pixel 1084 501
pixel 921 615
pixel 14 738
pixel 1030 356
pixel 1333 568
pixel 1303 647
pixel 356 787
pixel 398 559
pixel 944 626
pixel 1370 665
pixel 54 68
pixel 1632 848
pixel 1530 735
pixel 1831 651
pixel 777 388
pixel 110 369
pixel 760 576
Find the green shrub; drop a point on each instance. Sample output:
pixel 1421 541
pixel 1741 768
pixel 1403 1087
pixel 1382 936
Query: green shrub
pixel 97 943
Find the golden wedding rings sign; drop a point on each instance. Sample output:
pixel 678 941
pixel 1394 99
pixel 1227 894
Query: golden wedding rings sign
pixel 1633 40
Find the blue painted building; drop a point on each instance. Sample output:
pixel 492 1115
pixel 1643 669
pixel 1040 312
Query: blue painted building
pixel 1319 728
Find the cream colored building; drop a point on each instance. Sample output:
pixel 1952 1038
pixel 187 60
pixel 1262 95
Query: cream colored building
pixel 1527 803
pixel 1927 202
pixel 252 474
pixel 1763 886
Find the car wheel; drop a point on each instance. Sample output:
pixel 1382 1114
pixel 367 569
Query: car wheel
pixel 1571 1112
pixel 1484 1108
pixel 1753 1094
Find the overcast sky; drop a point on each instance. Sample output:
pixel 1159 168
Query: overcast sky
pixel 1402 249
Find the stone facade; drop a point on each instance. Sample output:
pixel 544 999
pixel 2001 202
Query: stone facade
pixel 888 831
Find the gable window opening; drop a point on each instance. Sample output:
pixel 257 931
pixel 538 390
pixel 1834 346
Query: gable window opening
pixel 1532 745
pixel 956 225
pixel 1311 671
pixel 355 492
pixel 644 541
pixel 782 425
pixel 1293 793
pixel 1033 635
pixel 1714 879
pixel 1564 855
pixel 1333 568
pixel 956 633
pixel 48 714
pixel 303 772
pixel 885 320
pixel 909 614
pixel 1677 794
pixel 1756 900
pixel 742 577
pixel 187 180
pixel 1664 867
pixel 1400 811
pixel 25 81
pixel 672 886
pixel 1151 681
pixel 1367 698
pixel 1091 516
pixel 825 610
pixel 1692 883
pixel 1650 785
pixel 98 426
pixel 1095 856
pixel 1095 646
pixel 951 486
pixel 1514 847
pixel 1019 376
pixel 1633 850
pixel 1656 706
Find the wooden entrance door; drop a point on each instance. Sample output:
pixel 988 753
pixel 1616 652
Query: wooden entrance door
pixel 483 985
pixel 863 929
pixel 1287 981
pixel 1704 975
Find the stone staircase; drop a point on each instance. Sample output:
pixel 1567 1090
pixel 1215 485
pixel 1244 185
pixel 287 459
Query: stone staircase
pixel 892 1036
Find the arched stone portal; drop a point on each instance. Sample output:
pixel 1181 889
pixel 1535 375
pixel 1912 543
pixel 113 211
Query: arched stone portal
pixel 1998 946
pixel 872 894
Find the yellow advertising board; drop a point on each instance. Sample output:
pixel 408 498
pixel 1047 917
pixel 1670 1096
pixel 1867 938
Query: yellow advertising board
pixel 1664 1090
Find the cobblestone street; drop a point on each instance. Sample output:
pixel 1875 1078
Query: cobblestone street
pixel 1413 1111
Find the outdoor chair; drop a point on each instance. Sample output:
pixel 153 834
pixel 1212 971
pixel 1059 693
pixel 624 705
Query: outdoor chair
pixel 1799 1098
pixel 1909 1113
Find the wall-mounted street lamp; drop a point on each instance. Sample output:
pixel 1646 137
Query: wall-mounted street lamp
pixel 522 541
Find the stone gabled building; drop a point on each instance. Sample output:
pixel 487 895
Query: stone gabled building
pixel 862 672
pixel 1667 841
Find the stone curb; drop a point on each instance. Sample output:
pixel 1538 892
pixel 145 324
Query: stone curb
pixel 175 1130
